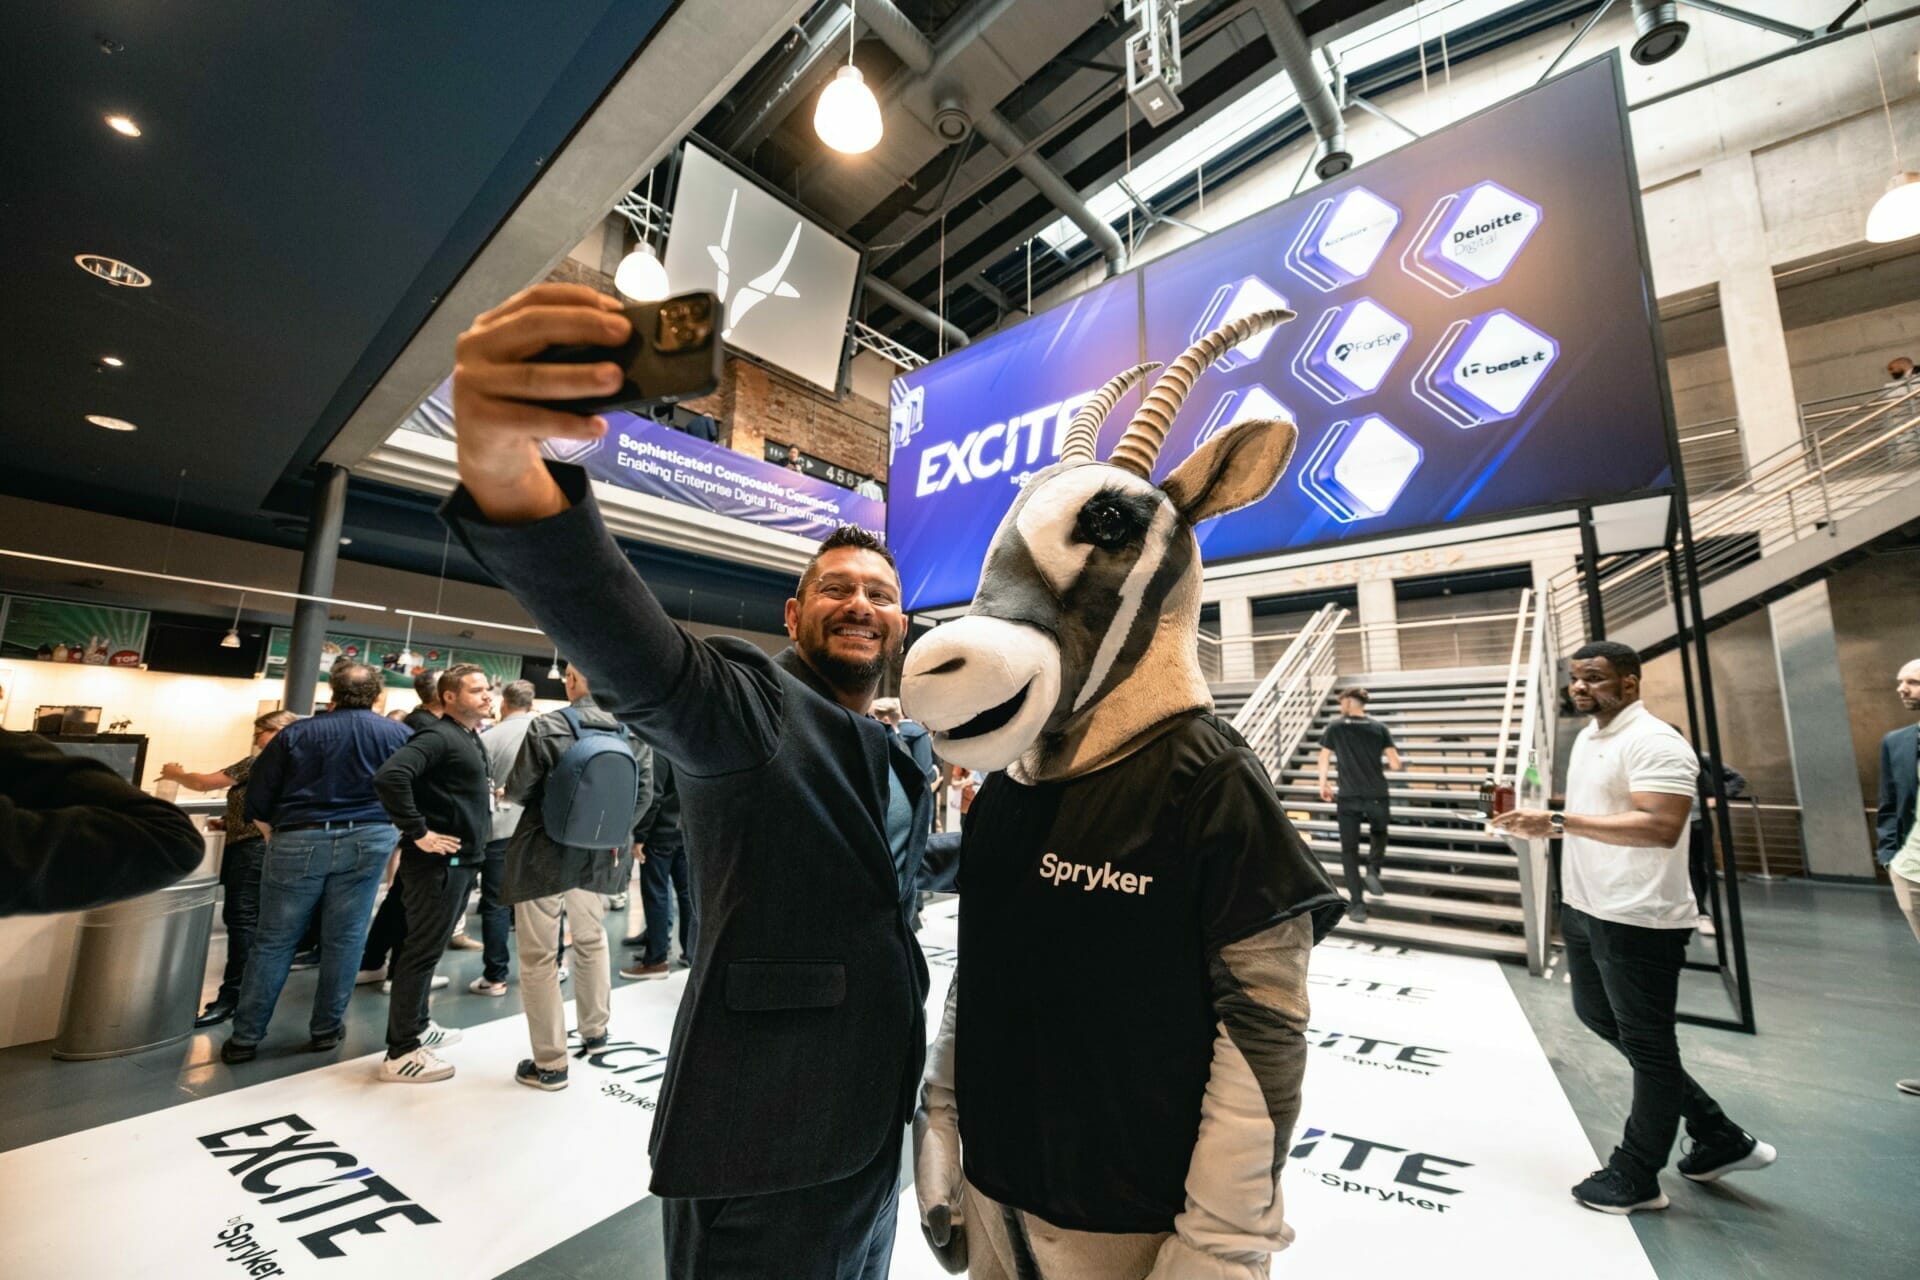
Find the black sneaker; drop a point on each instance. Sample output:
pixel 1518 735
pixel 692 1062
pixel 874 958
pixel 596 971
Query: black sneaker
pixel 1357 913
pixel 305 960
pixel 594 1044
pixel 331 1040
pixel 535 1078
pixel 233 1051
pixel 1611 1191
pixel 1374 886
pixel 1715 1158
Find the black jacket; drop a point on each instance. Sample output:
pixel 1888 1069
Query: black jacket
pixel 536 866
pixel 438 782
pixel 73 834
pixel 797 1050
pixel 1893 820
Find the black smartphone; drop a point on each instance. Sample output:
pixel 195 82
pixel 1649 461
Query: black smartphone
pixel 674 354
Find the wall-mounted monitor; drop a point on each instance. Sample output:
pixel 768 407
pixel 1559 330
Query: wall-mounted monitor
pixel 1476 336
pixel 786 282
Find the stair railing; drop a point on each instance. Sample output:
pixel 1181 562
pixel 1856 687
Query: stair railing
pixel 1281 708
pixel 1538 725
pixel 1514 673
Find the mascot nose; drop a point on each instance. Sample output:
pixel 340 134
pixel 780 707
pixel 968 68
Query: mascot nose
pixel 984 686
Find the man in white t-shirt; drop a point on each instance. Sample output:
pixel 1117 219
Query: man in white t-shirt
pixel 1628 910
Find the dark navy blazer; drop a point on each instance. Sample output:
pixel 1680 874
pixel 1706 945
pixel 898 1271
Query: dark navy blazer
pixel 797 1051
pixel 1899 751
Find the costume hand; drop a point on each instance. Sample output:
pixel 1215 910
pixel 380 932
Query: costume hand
pixel 435 843
pixel 1326 791
pixel 497 433
pixel 1528 824
pixel 940 1184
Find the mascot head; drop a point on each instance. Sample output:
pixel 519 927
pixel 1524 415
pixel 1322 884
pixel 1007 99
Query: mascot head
pixel 1081 640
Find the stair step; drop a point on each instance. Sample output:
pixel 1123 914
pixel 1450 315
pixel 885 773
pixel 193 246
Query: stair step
pixel 1438 715
pixel 1408 813
pixel 1464 762
pixel 1464 778
pixel 1437 936
pixel 1391 876
pixel 1395 831
pixel 1454 908
pixel 1413 853
pixel 1385 704
pixel 1467 794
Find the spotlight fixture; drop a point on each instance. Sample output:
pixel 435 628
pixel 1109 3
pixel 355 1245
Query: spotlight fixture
pixel 847 116
pixel 640 275
pixel 124 126
pixel 112 270
pixel 1896 214
pixel 111 424
pixel 231 640
pixel 1153 59
pixel 1658 31
pixel 112 362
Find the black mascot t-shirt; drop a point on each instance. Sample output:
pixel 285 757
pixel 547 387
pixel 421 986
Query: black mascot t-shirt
pixel 1088 911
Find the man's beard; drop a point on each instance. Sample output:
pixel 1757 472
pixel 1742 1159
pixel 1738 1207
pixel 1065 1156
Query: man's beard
pixel 850 677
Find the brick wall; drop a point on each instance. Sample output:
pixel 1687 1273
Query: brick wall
pixel 755 404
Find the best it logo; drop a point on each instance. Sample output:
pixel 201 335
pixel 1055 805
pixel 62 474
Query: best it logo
pixel 325 1188
pixel 1381 1172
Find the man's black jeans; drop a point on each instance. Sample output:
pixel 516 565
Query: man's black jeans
pixel 663 883
pixel 240 869
pixel 1626 981
pixel 1351 813
pixel 496 917
pixel 436 897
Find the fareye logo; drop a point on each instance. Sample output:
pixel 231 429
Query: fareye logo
pixel 1000 447
pixel 1059 871
pixel 343 1196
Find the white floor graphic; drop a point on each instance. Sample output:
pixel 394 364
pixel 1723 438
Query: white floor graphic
pixel 1435 1141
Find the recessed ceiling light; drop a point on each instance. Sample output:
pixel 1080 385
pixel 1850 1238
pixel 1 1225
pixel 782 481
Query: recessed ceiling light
pixel 111 424
pixel 123 125
pixel 112 270
pixel 112 362
pixel 346 542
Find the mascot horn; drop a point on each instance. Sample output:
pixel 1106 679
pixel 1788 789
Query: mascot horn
pixel 1136 912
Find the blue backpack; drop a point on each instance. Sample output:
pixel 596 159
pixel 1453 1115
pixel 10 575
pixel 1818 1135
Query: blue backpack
pixel 592 789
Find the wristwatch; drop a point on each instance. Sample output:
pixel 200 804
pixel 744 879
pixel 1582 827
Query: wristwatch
pixel 1558 821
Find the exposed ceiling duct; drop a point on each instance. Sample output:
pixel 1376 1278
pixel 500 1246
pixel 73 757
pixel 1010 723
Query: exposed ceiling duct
pixel 921 58
pixel 907 306
pixel 1331 156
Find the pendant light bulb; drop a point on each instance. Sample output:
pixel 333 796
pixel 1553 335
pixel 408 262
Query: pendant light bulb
pixel 408 659
pixel 1896 215
pixel 553 671
pixel 641 276
pixel 231 640
pixel 847 116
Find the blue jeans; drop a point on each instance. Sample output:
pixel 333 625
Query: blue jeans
pixel 496 917
pixel 663 882
pixel 337 871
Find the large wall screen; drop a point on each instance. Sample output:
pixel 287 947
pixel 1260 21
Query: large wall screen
pixel 1475 337
pixel 787 283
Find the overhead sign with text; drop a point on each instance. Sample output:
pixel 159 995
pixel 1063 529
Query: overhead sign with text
pixel 786 283
pixel 1474 338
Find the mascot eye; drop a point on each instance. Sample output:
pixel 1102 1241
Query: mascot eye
pixel 1108 521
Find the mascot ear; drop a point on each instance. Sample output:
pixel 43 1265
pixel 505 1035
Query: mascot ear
pixel 1235 469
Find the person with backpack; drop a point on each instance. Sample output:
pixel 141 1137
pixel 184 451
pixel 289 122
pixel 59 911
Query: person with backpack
pixel 584 784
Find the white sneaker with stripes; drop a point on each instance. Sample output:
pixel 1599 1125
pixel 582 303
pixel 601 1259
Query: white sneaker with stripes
pixel 436 1035
pixel 419 1067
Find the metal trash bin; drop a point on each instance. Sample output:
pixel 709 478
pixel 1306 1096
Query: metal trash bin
pixel 138 967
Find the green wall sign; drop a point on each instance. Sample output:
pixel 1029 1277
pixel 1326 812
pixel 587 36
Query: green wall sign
pixel 69 631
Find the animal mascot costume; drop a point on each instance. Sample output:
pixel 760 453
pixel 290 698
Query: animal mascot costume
pixel 1119 1064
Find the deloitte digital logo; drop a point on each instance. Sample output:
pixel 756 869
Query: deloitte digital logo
pixel 1359 468
pixel 1485 369
pixel 1236 301
pixel 1471 239
pixel 275 1162
pixel 1342 239
pixel 1350 350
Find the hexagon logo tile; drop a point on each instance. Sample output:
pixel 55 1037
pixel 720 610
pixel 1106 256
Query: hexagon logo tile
pixel 1230 302
pixel 1471 239
pixel 1360 468
pixel 1241 405
pixel 1342 239
pixel 567 450
pixel 1485 369
pixel 1350 350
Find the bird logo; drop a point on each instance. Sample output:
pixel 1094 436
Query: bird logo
pixel 768 284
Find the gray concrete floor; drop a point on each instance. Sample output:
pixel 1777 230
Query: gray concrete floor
pixel 1836 977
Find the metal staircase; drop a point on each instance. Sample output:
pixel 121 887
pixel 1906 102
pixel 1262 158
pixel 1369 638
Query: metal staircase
pixel 1449 883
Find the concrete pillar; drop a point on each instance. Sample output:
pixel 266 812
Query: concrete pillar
pixel 1236 639
pixel 1750 309
pixel 1833 824
pixel 1377 610
pixel 316 578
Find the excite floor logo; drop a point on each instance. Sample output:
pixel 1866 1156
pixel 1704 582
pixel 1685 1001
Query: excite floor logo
pixel 1371 988
pixel 1236 301
pixel 1360 468
pixel 1342 238
pixel 1398 1176
pixel 1485 369
pixel 1350 350
pixel 1470 239
pixel 1377 1053
pixel 267 1157
pixel 1242 404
